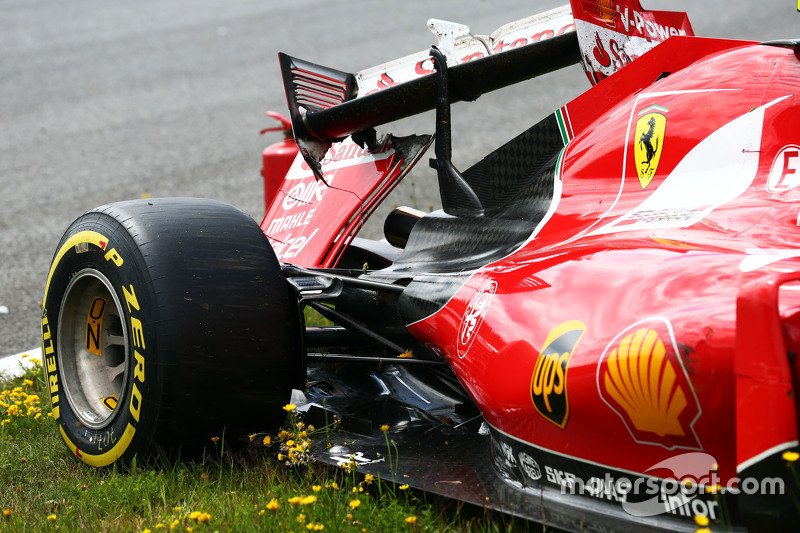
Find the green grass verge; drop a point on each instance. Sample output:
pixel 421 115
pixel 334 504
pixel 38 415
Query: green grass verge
pixel 44 488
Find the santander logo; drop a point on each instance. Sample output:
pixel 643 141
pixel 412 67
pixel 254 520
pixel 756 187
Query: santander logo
pixel 472 319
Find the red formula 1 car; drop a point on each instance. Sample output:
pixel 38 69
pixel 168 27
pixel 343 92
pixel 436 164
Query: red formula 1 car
pixel 599 330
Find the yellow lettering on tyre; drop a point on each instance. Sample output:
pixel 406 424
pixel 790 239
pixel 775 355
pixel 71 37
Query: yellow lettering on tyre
pixel 130 299
pixel 138 370
pixel 136 402
pixel 137 333
pixel 114 257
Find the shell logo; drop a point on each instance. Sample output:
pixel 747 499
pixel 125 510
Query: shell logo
pixel 642 378
pixel 606 10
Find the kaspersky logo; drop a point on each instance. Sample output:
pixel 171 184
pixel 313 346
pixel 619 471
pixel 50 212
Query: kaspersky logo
pixel 649 143
pixel 642 378
pixel 549 381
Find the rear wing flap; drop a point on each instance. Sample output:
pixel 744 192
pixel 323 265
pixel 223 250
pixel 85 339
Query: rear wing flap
pixel 327 105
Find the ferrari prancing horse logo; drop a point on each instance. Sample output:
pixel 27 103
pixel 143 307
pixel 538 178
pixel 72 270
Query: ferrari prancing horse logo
pixel 648 145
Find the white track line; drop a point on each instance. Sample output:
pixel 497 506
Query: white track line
pixel 11 365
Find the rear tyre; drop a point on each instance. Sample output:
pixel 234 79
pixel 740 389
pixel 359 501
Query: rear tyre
pixel 166 323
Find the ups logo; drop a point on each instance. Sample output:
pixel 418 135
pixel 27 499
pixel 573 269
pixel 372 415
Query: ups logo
pixel 549 381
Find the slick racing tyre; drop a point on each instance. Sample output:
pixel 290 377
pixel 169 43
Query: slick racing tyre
pixel 166 323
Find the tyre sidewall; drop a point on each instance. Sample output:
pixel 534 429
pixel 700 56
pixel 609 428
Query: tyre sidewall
pixel 97 242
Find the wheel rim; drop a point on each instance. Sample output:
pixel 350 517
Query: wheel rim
pixel 92 349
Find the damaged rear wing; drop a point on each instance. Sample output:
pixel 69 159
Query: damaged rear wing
pixel 327 105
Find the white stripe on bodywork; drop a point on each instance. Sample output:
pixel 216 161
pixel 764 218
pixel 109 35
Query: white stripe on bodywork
pixel 696 186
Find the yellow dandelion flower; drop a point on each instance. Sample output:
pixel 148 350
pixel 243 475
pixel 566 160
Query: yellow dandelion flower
pixel 272 505
pixel 267 441
pixel 52 517
pixel 294 500
pixel 175 523
pixel 289 407
pixel 308 500
pixel 194 515
pixel 335 486
pixel 368 479
pixel 301 518
pixel 411 520
pixel 787 455
pixel 262 512
pixel 701 520
pixel 204 517
pixel 290 443
pixel 6 512
pixel 28 382
pixel 319 527
pixel 349 516
pixel 354 504
pixel 280 457
pixel 702 530
pixel 316 488
pixel 251 437
pixel 214 439
pixel 146 530
pixel 403 487
pixel 159 526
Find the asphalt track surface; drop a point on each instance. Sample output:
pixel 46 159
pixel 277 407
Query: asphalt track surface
pixel 101 102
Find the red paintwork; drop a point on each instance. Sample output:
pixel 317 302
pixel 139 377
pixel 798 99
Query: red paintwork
pixel 675 256
pixel 307 231
pixel 724 318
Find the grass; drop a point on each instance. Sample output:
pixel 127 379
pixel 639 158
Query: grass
pixel 44 488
